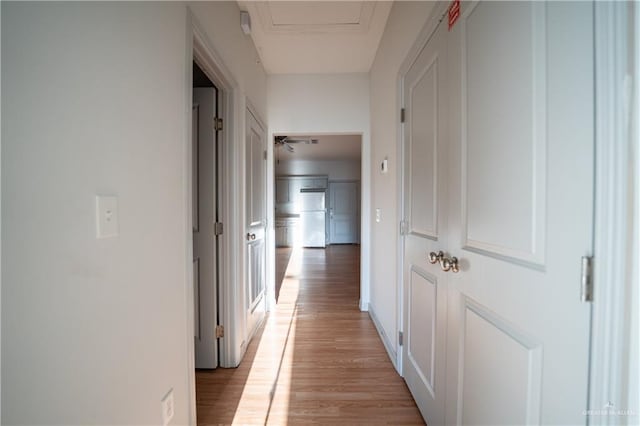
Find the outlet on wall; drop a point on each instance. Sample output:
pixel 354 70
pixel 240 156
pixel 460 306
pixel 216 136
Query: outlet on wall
pixel 106 216
pixel 168 407
pixel 378 215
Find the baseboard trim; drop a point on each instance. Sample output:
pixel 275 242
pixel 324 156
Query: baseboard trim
pixel 385 339
pixel 364 307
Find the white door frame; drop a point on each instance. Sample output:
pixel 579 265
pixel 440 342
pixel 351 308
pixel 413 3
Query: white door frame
pixel 615 251
pixel 231 193
pixel 613 376
pixel 364 208
pixel 423 37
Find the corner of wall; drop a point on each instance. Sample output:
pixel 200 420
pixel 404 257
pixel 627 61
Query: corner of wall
pixel 386 340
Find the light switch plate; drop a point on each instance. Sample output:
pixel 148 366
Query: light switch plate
pixel 384 166
pixel 106 216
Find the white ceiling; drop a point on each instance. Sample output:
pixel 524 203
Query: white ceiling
pixel 317 37
pixel 329 147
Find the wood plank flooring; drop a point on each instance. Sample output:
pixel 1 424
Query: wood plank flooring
pixel 283 254
pixel 316 360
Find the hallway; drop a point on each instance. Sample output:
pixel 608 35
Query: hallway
pixel 317 359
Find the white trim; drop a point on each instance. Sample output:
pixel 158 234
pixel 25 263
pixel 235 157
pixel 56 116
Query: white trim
pixel 613 238
pixel 425 34
pixel 386 341
pixel 365 219
pixel 232 264
pixel 633 387
pixel 199 48
pixel 270 236
pixel 188 229
pixel 265 19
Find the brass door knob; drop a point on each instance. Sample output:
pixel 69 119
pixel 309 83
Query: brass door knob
pixel 445 263
pixel 450 264
pixel 436 257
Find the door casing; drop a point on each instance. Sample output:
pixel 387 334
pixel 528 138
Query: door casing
pixel 231 165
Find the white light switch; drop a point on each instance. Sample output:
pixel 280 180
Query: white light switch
pixel 106 216
pixel 378 215
pixel 384 166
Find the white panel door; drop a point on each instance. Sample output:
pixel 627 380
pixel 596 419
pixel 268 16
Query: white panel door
pixel 344 220
pixel 521 190
pixel 204 219
pixel 256 213
pixel 425 211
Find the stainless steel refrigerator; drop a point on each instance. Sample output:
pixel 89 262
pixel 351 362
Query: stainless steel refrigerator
pixel 313 217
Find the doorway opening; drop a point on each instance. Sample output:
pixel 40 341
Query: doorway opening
pixel 316 196
pixel 205 218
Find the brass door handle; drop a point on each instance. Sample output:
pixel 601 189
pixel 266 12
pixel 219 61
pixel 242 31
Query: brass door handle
pixel 445 263
pixel 450 264
pixel 436 257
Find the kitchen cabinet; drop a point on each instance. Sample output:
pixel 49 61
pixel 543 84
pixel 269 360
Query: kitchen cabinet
pixel 286 231
pixel 287 191
pixel 281 236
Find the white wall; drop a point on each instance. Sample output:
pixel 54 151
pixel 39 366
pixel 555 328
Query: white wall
pixel 335 169
pixel 405 22
pixel 95 101
pixel 220 20
pixel 329 104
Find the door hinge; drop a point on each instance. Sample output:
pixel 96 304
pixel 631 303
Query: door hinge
pixel 400 338
pixel 218 228
pixel 402 115
pixel 404 226
pixel 586 279
pixel 265 155
pixel 219 331
pixel 217 124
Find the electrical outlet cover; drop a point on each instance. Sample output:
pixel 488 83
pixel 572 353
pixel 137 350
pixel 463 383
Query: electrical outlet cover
pixel 168 407
pixel 106 216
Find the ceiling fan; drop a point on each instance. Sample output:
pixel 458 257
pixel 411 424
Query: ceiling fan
pixel 287 142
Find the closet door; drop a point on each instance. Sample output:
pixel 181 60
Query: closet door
pixel 521 175
pixel 425 215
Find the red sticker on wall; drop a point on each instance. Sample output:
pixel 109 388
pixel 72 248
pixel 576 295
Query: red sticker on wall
pixel 454 13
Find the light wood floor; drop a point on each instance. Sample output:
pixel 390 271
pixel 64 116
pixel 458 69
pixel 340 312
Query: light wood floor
pixel 283 254
pixel 317 359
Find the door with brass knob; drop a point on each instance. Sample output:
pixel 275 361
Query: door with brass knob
pixel 256 178
pixel 425 223
pixel 520 218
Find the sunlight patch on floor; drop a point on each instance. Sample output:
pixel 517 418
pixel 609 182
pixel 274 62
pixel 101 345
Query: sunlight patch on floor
pixel 267 400
pixel 294 268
